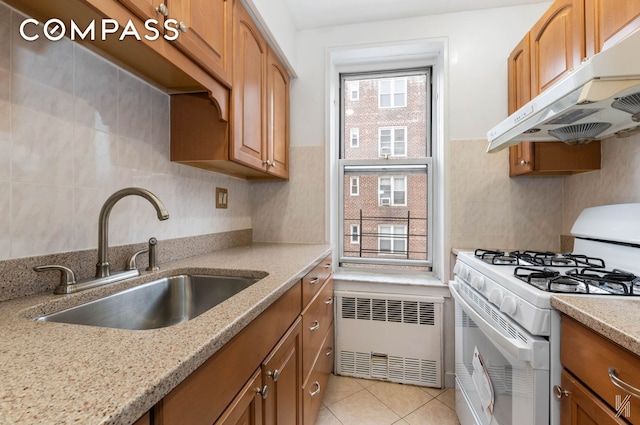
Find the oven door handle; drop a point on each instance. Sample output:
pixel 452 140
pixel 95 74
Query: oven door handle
pixel 515 348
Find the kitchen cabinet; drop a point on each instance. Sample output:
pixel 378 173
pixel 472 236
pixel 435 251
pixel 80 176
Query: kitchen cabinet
pixel 259 377
pixel 144 420
pixel 255 144
pixel 549 51
pixel 205 29
pixel 591 363
pixel 607 22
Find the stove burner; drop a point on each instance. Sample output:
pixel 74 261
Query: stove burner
pixel 613 281
pixel 549 280
pixel 537 258
pixel 498 257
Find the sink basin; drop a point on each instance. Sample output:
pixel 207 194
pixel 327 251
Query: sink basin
pixel 157 304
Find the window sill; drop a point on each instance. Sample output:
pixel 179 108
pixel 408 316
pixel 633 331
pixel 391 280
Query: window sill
pixel 414 279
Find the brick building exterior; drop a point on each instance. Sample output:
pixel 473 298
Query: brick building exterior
pixel 385 214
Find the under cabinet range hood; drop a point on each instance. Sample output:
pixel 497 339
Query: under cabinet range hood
pixel 599 99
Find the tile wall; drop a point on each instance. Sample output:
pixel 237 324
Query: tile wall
pixel 490 210
pixel 618 182
pixel 75 128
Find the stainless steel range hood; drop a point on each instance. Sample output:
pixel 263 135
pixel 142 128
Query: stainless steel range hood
pixel 599 99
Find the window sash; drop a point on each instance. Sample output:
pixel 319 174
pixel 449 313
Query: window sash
pixel 393 188
pixel 392 141
pixel 392 239
pixel 392 93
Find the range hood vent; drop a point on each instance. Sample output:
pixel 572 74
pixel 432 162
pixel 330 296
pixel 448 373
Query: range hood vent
pixel 579 134
pixel 599 99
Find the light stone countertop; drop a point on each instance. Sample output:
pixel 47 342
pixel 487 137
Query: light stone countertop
pixel 616 318
pixel 55 373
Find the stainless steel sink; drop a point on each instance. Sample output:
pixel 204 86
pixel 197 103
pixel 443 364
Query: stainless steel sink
pixel 157 304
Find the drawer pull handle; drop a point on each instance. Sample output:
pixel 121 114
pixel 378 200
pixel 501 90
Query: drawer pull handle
pixel 317 391
pixel 264 391
pixel 329 301
pixel 559 392
pixel 329 351
pixel 314 281
pixel 613 376
pixel 274 375
pixel 327 266
pixel 315 326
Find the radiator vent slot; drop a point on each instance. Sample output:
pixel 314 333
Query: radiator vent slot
pixel 390 337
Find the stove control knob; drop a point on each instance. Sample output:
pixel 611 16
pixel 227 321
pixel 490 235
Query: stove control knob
pixel 508 305
pixel 456 268
pixel 463 273
pixel 496 296
pixel 478 282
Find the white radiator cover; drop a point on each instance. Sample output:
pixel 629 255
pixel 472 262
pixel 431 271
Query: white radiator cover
pixel 390 337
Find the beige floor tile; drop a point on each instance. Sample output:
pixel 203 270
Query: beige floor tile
pixel 325 417
pixel 402 399
pixel 433 413
pixel 435 392
pixel 340 387
pixel 366 383
pixel 401 422
pixel 449 398
pixel 362 408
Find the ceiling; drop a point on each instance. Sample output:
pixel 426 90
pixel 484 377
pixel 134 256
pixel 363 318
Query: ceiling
pixel 320 13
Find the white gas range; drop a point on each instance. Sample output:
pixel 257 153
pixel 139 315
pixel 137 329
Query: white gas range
pixel 507 333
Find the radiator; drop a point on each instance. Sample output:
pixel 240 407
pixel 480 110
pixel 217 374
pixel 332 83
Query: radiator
pixel 390 337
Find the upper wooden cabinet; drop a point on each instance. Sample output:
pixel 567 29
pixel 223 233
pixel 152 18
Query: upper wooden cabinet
pixel 553 48
pixel 556 44
pixel 277 117
pixel 607 22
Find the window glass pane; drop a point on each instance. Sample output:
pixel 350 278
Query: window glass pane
pixel 405 128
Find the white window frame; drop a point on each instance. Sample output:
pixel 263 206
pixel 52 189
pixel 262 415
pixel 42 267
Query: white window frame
pixel 355 240
pixel 392 184
pixel 354 133
pixel 392 93
pixel 356 180
pixel 354 90
pixel 390 235
pixel 393 142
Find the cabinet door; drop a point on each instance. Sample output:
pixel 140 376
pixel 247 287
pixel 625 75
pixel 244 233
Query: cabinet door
pixel 607 22
pixel 145 9
pixel 248 121
pixel 246 408
pixel 282 373
pixel 579 406
pixel 519 93
pixel 277 117
pixel 208 33
pixel 556 44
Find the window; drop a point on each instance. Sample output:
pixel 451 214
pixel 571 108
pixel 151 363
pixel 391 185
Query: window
pixel 355 186
pixel 354 90
pixel 392 190
pixel 392 141
pixel 392 239
pixel 354 137
pixel 355 234
pixel 392 92
pixel 388 224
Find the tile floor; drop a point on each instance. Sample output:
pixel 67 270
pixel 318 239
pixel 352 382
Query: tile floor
pixel 353 401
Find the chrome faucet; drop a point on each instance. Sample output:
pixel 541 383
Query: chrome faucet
pixel 103 267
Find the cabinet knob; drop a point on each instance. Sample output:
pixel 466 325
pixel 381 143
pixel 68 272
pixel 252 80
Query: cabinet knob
pixel 523 162
pixel 264 391
pixel 274 375
pixel 329 301
pixel 315 326
pixel 267 163
pixel 559 392
pixel 317 391
pixel 162 9
pixel 182 26
pixel 314 281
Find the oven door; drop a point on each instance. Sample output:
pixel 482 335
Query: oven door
pixel 502 372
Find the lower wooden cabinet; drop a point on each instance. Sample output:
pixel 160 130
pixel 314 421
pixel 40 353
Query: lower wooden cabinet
pixel 595 372
pixel 246 408
pixel 316 383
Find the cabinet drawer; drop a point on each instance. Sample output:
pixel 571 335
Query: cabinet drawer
pixel 316 320
pixel 313 281
pixel 583 406
pixel 590 356
pixel 315 386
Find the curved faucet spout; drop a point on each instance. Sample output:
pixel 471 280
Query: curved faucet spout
pixel 103 267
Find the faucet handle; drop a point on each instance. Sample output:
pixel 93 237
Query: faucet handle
pixel 153 259
pixel 131 262
pixel 67 278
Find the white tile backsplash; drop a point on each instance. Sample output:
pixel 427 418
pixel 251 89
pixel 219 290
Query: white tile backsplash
pixel 74 128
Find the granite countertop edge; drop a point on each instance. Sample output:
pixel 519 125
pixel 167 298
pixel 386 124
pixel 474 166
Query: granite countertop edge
pixel 612 317
pixel 59 373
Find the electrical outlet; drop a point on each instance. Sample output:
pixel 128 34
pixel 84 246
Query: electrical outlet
pixel 221 197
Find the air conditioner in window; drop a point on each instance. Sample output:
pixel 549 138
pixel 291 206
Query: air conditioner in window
pixel 385 201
